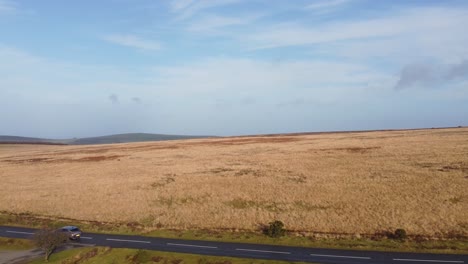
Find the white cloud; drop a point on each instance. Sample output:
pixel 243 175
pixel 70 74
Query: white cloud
pixel 133 41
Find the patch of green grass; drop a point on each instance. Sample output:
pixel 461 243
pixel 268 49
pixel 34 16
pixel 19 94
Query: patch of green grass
pixel 98 255
pixel 453 246
pixel 15 244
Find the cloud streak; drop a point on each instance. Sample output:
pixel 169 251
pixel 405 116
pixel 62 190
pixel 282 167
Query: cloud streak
pixel 7 6
pixel 133 42
pixel 420 21
pixel 186 9
pixel 326 5
pixel 213 23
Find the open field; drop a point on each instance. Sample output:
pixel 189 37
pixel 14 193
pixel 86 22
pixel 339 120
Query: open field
pixel 344 183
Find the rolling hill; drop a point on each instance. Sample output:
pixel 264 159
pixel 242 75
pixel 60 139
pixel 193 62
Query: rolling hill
pixel 110 139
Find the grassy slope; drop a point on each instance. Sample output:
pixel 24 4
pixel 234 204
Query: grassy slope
pixel 100 255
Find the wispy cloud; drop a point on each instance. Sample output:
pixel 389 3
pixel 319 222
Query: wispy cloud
pixel 177 5
pixel 326 5
pixel 421 21
pixel 186 9
pixel 7 6
pixel 213 23
pixel 133 41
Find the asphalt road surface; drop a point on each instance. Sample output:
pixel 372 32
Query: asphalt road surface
pixel 256 251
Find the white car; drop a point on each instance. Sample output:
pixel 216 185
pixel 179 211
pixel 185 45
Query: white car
pixel 73 232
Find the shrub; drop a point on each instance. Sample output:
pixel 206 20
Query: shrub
pixel 400 234
pixel 275 229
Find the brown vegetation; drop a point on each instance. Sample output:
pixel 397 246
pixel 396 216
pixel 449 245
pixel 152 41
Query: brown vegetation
pixel 355 183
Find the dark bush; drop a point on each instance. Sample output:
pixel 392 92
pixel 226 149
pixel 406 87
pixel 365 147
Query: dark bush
pixel 400 234
pixel 275 229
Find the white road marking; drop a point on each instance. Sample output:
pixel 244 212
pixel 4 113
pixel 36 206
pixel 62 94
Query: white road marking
pixel 17 232
pixel 188 245
pixel 431 260
pixel 263 251
pixel 337 256
pixel 124 240
pixel 86 238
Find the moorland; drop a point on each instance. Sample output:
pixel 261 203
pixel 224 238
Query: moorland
pixel 356 183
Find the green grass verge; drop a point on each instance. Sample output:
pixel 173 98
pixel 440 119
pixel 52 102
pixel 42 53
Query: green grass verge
pixel 99 255
pixel 452 246
pixel 15 244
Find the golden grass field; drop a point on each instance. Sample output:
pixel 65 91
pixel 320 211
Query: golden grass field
pixel 353 183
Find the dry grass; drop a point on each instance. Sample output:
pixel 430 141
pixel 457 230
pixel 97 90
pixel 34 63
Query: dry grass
pixel 332 183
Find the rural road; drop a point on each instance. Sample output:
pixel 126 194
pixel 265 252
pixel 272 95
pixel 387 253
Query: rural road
pixel 256 251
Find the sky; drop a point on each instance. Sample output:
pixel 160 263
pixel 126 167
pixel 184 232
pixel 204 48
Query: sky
pixel 230 67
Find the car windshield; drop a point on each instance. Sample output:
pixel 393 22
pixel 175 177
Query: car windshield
pixel 75 229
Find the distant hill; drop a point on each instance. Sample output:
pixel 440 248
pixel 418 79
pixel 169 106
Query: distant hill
pixel 21 139
pixel 131 137
pixel 31 140
pixel 110 139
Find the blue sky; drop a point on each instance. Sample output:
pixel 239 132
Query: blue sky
pixel 230 67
